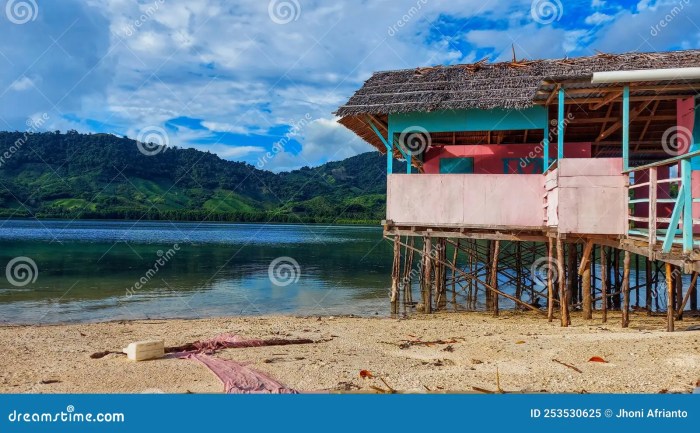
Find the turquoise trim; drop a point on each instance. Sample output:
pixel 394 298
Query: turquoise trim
pixel 687 207
pixel 560 126
pixel 626 128
pixel 389 149
pixel 675 217
pixel 695 145
pixel 471 120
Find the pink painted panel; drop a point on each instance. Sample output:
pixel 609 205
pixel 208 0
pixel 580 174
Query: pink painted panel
pixel 468 200
pixel 491 159
pixel 590 167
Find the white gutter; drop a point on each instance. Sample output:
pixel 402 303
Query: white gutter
pixel 646 75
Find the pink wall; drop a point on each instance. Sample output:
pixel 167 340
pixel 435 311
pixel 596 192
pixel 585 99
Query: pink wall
pixel 491 159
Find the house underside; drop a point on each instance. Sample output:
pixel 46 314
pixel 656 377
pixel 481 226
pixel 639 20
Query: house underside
pixel 588 159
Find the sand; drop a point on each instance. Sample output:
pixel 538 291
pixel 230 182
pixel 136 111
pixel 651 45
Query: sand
pixel 522 347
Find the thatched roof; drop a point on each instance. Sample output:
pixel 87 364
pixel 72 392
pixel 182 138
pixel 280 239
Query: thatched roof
pixel 522 84
pixel 510 85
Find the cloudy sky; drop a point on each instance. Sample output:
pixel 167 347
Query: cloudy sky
pixel 235 76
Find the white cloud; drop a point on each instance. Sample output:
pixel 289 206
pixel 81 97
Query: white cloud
pixel 22 83
pixel 598 18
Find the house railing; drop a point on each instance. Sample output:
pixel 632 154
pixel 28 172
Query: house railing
pixel 668 230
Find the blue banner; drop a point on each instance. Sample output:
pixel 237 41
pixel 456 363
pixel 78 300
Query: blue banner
pixel 521 413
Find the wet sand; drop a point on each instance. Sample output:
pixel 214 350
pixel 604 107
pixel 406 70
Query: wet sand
pixel 528 353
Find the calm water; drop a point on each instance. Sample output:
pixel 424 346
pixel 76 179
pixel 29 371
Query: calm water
pixel 87 270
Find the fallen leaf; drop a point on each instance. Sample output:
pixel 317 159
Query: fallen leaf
pixel 597 359
pixel 366 374
pixel 520 342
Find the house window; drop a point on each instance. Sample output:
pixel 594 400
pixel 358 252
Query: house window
pixel 456 165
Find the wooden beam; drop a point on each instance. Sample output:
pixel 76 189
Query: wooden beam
pixel 581 101
pixel 648 122
pixel 553 95
pixel 608 99
pixel 617 125
pixel 586 256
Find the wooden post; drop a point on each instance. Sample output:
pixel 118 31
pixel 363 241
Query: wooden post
pixel 572 292
pixel 488 295
pixel 563 298
pixel 636 279
pixel 395 275
pixel 694 297
pixel 587 298
pixel 585 272
pixel 604 283
pixel 647 265
pixel 678 281
pixel 626 291
pixel 550 283
pixel 494 275
pixel 518 271
pixel 669 303
pixel 427 268
pixel 440 275
pixel 454 276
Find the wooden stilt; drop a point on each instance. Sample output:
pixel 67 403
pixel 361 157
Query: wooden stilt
pixel 518 271
pixel 440 275
pixel 649 290
pixel 669 293
pixel 587 298
pixel 636 279
pixel 626 291
pixel 427 272
pixel 550 283
pixel 678 286
pixel 572 274
pixel 454 276
pixel 395 276
pixel 694 297
pixel 585 272
pixel 604 283
pixel 494 275
pixel 563 298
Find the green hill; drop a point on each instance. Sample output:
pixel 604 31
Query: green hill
pixel 54 175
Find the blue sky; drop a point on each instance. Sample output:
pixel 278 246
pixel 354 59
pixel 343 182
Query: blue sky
pixel 235 77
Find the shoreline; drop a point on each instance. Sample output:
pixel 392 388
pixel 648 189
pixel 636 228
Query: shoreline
pixel 445 352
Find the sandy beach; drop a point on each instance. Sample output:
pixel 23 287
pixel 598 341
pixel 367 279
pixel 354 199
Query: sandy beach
pixel 530 355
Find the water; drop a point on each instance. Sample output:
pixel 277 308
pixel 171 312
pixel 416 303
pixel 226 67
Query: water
pixel 88 270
